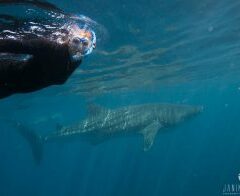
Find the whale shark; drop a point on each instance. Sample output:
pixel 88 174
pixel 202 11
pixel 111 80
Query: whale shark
pixel 103 123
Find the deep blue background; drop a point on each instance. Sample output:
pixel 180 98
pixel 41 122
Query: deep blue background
pixel 199 65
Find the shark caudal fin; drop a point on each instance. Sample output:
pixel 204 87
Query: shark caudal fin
pixel 35 141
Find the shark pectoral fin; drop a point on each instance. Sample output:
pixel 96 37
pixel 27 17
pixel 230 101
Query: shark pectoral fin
pixel 149 134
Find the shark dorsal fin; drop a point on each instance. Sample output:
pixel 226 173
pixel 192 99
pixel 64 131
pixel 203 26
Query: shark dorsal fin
pixel 95 109
pixel 149 134
pixel 59 126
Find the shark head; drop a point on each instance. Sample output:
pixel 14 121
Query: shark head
pixel 186 111
pixel 173 114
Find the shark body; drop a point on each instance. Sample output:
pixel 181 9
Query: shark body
pixel 102 123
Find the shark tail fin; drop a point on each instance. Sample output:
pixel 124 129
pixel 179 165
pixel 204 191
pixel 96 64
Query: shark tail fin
pixel 35 141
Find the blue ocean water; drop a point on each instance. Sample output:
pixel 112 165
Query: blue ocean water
pixel 183 52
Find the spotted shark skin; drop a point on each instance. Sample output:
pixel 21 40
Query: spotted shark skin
pixel 103 123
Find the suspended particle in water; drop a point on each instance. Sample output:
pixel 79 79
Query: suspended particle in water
pixel 210 28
